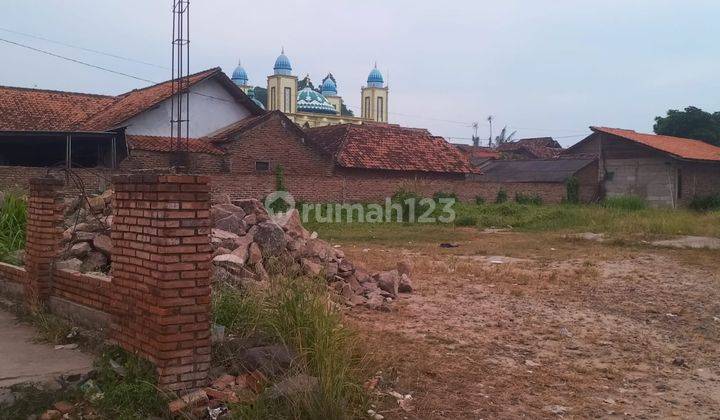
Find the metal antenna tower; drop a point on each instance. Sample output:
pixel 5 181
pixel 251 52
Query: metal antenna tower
pixel 180 99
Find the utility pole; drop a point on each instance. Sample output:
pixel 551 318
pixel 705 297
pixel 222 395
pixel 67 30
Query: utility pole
pixel 475 138
pixel 490 140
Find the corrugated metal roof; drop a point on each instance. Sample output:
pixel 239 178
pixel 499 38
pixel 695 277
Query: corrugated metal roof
pixel 549 170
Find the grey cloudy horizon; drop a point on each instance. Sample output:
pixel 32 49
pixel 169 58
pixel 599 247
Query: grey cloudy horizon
pixel 543 68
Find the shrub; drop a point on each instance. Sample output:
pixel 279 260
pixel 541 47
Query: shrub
pixel 501 196
pixel 479 200
pixel 572 190
pixel 13 216
pixel 443 194
pixel 625 202
pixel 521 198
pixel 465 221
pixel 410 203
pixel 705 203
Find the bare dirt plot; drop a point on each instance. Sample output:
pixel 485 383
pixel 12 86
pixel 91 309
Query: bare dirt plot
pixel 562 328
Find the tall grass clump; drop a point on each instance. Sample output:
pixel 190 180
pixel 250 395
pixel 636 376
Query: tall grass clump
pixel 625 202
pixel 13 216
pixel 705 203
pixel 296 311
pixel 126 387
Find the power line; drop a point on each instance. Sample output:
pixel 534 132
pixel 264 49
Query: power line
pixel 102 68
pixel 76 61
pixel 119 57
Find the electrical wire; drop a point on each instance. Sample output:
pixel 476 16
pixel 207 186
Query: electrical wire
pixel 101 68
pixel 463 123
pixel 119 57
pixel 76 61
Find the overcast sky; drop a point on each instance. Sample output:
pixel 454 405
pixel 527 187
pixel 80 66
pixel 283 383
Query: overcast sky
pixel 549 67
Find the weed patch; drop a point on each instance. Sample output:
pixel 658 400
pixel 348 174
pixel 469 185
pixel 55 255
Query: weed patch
pixel 296 311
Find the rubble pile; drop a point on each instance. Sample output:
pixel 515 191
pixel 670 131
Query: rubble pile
pixel 86 244
pixel 245 241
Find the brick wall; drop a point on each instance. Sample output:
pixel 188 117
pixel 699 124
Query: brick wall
pixel 161 274
pixel 18 178
pixel 158 296
pixel 698 180
pixel 84 289
pixel 42 238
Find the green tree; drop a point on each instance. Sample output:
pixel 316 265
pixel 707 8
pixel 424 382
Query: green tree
pixel 692 123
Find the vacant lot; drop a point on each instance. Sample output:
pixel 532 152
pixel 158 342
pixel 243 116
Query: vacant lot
pixel 533 324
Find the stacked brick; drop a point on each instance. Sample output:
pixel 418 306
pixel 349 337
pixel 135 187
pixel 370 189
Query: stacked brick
pixel 161 274
pixel 12 274
pixel 84 289
pixel 42 241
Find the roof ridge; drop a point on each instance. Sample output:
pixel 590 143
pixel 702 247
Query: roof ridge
pixel 210 70
pixel 97 95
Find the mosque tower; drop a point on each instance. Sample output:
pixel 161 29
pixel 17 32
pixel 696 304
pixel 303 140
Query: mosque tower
pixel 282 87
pixel 240 78
pixel 329 91
pixel 374 98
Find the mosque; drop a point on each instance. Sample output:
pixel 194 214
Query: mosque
pixel 310 107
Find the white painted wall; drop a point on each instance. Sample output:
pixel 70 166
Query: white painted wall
pixel 211 108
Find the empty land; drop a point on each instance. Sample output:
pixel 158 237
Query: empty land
pixel 534 324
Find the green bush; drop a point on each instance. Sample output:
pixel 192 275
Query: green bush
pixel 465 221
pixel 501 197
pixel 705 203
pixel 521 198
pixel 479 200
pixel 625 202
pixel 13 216
pixel 572 190
pixel 443 194
pixel 410 203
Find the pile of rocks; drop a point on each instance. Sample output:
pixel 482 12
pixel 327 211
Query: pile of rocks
pixel 86 240
pixel 245 240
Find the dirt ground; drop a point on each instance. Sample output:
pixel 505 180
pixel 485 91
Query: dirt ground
pixel 553 327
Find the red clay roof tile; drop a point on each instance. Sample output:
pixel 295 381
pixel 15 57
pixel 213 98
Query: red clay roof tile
pixel 678 146
pixel 164 144
pixel 23 109
pixel 390 147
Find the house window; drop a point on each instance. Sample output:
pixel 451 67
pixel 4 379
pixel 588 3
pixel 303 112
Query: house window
pixel 287 100
pixel 273 103
pixel 380 113
pixel 261 165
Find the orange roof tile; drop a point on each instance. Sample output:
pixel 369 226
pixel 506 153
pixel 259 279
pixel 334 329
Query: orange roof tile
pixel 165 144
pixel 678 146
pixel 136 101
pixel 23 109
pixel 388 146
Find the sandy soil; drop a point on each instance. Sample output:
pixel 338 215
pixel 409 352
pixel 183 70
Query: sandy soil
pixel 533 325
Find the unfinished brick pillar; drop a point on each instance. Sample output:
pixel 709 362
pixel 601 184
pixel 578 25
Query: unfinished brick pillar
pixel 161 274
pixel 42 238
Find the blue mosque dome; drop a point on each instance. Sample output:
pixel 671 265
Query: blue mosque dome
pixel 282 64
pixel 239 76
pixel 309 100
pixel 328 88
pixel 375 78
